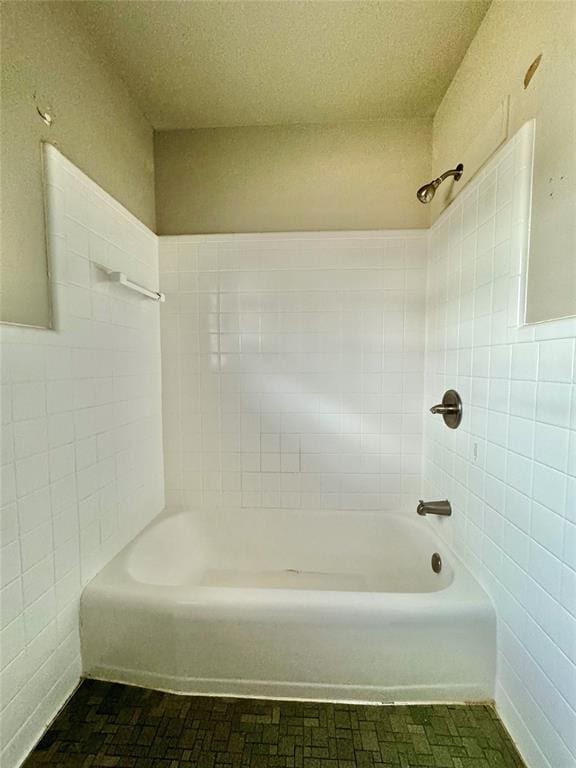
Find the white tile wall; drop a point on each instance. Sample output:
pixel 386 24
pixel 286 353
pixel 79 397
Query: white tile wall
pixel 510 470
pixel 81 445
pixel 293 377
pixel 293 369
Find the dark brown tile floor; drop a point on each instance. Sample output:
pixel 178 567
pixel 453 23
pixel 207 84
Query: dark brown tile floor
pixel 115 725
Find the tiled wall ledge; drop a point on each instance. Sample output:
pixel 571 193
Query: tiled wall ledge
pixel 81 445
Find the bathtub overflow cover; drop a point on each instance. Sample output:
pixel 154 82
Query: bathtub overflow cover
pixel 436 562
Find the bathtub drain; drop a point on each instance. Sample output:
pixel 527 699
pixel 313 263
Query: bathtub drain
pixel 436 562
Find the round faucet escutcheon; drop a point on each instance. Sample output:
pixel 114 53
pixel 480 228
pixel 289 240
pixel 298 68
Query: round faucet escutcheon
pixel 450 408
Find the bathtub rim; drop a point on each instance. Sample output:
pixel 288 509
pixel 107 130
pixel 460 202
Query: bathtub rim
pixel 276 611
pixel 463 590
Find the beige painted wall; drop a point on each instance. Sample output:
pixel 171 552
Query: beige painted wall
pixel 290 178
pixel 512 34
pixel 97 125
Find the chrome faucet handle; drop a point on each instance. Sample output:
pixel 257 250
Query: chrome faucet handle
pixel 444 409
pixel 450 408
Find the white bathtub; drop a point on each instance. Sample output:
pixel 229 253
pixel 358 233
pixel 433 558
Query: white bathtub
pixel 290 604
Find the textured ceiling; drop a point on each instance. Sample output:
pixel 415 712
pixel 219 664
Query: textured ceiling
pixel 199 64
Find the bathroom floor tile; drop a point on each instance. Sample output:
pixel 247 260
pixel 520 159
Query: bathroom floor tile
pixel 105 724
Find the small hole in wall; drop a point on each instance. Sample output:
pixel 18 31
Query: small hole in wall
pixel 531 70
pixel 43 108
pixel 46 117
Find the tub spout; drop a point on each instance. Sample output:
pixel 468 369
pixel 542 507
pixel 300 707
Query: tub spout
pixel 442 508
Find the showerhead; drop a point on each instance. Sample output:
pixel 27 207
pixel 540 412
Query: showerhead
pixel 427 192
